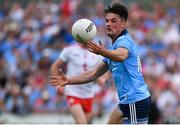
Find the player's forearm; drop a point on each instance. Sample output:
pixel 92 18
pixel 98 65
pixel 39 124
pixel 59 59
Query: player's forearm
pixel 82 79
pixel 54 71
pixel 113 55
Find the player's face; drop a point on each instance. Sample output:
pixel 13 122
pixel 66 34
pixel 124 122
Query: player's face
pixel 114 25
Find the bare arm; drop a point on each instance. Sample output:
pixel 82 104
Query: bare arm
pixel 55 68
pixel 101 80
pixel 84 78
pixel 55 71
pixel 116 55
pixel 89 76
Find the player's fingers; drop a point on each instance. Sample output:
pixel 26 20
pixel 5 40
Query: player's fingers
pixel 93 48
pixel 90 43
pixel 54 77
pixel 90 50
pixel 53 80
pixel 59 86
pixel 55 84
pixel 93 45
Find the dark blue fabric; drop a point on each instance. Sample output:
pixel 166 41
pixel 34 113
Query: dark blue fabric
pixel 142 108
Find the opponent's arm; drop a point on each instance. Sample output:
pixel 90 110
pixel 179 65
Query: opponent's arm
pixel 55 68
pixel 116 55
pixel 84 78
pixel 101 80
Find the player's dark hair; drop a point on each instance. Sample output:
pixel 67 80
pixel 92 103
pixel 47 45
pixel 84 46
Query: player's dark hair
pixel 117 8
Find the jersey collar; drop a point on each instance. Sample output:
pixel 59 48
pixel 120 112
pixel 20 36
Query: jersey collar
pixel 121 34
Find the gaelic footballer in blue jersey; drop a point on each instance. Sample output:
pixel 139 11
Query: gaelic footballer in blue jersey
pixel 123 61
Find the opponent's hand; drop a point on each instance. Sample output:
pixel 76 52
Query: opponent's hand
pixel 59 81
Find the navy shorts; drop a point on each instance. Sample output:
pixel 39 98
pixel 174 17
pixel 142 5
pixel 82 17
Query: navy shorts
pixel 136 113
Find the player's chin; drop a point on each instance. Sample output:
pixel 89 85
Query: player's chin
pixel 109 33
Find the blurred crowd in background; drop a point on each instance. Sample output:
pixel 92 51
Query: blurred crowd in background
pixel 33 36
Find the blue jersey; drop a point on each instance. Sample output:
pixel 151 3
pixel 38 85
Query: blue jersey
pixel 127 74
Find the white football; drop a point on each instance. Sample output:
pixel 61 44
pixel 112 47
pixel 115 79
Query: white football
pixel 84 30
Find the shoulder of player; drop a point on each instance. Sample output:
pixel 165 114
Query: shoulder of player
pixel 72 46
pixel 125 37
pixel 122 38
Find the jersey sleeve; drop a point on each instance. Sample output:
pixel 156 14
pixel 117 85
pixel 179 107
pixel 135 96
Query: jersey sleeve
pixel 124 43
pixel 64 54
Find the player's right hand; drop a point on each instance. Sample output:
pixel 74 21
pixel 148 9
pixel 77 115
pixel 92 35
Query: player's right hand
pixel 94 48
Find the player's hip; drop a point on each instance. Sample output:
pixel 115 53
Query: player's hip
pixel 81 93
pixel 136 112
pixel 86 103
